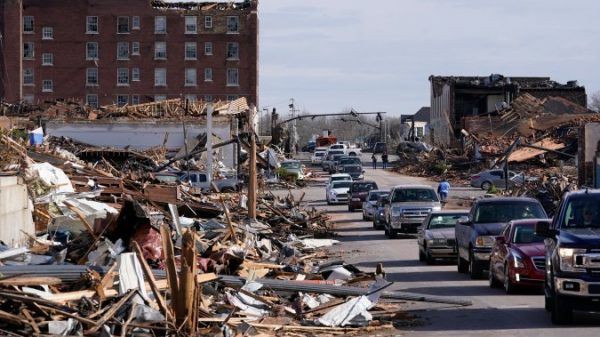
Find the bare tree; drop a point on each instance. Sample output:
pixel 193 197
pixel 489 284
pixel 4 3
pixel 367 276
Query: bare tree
pixel 594 102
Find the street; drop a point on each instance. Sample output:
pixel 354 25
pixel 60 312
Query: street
pixel 493 313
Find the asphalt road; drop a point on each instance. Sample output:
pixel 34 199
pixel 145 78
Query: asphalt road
pixel 493 313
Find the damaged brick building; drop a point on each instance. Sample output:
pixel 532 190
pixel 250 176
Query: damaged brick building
pixel 104 52
pixel 455 98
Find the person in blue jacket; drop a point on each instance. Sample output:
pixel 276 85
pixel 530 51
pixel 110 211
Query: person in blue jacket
pixel 443 189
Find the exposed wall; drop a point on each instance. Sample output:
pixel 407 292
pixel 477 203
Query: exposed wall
pixel 15 211
pixel 440 128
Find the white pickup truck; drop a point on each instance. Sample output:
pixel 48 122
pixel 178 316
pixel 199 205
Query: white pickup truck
pixel 347 148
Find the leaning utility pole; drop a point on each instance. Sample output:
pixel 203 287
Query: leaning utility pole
pixel 252 184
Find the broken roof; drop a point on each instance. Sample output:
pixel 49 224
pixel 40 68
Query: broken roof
pixel 498 80
pixel 204 5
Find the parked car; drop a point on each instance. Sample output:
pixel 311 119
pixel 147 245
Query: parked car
pixel 358 193
pixel 327 162
pixel 347 160
pixel 379 213
pixel 339 177
pixel 572 251
pixel 310 146
pixel 293 168
pixel 355 171
pixel 517 259
pixel 435 237
pixel 200 180
pixel 337 192
pixel 407 206
pixel 317 157
pixel 369 206
pixel 476 233
pixel 489 178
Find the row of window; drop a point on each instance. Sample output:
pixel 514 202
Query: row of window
pixel 125 75
pixel 123 51
pixel 121 100
pixel 123 25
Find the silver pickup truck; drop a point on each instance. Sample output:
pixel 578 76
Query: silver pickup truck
pixel 200 180
pixel 407 206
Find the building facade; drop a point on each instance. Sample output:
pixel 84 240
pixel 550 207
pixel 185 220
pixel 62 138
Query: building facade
pixel 103 52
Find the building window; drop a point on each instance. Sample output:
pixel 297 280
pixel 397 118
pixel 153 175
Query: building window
pixel 135 22
pixel 160 25
pixel 91 51
pixel 135 99
pixel 47 59
pixel 208 74
pixel 233 50
pixel 420 131
pixel 28 24
pixel 191 98
pixel 208 98
pixel 233 24
pixel 47 86
pixel 28 50
pixel 231 98
pixel 190 77
pixel 233 77
pixel 191 24
pixel 208 48
pixel 28 76
pixel 123 51
pixel 135 74
pixel 91 25
pixel 190 51
pixel 160 77
pixel 47 33
pixel 92 100
pixel 135 48
pixel 28 98
pixel 160 50
pixel 160 98
pixel 208 22
pixel 122 77
pixel 122 100
pixel 123 25
pixel 91 76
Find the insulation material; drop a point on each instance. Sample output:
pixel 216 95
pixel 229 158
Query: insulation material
pixel 53 176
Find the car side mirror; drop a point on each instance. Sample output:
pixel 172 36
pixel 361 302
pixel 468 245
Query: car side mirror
pixel 500 240
pixel 542 228
pixel 464 220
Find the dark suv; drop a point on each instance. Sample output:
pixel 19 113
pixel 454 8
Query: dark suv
pixel 572 250
pixel 476 233
pixel 358 193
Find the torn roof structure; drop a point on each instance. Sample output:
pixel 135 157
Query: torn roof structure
pixel 204 5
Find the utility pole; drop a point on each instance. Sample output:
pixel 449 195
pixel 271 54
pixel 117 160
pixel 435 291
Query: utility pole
pixel 209 138
pixel 252 183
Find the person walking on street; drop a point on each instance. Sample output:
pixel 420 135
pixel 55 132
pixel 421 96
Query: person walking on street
pixel 374 159
pixel 384 159
pixel 443 190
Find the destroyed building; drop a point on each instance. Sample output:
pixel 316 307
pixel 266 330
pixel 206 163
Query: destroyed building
pixel 105 52
pixel 455 98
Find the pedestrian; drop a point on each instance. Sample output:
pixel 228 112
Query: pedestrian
pixel 384 159
pixel 374 159
pixel 443 189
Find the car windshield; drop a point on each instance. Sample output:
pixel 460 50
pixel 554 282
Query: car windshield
pixel 352 168
pixel 414 194
pixel 340 178
pixel 582 211
pixel 363 187
pixel 444 220
pixel 373 196
pixel 291 165
pixel 319 154
pixel 341 184
pixel 506 211
pixel 347 161
pixel 526 234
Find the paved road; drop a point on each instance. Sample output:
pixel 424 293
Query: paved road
pixel 493 313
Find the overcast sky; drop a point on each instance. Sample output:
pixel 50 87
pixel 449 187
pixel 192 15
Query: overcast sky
pixel 331 55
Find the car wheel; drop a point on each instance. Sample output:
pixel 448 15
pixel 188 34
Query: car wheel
pixel 428 259
pixel 350 208
pixel 393 233
pixel 509 287
pixel 494 283
pixel 461 265
pixel 475 271
pixel 486 185
pixel 421 255
pixel 561 313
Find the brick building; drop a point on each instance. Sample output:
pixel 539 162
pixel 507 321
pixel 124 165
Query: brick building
pixel 128 52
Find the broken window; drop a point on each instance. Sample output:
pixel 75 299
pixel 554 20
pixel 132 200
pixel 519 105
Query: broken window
pixel 160 77
pixel 47 59
pixel 122 100
pixel 208 48
pixel 123 51
pixel 233 24
pixel 123 25
pixel 135 74
pixel 191 24
pixel 135 48
pixel 122 76
pixel 92 100
pixel 233 78
pixel 28 76
pixel 92 25
pixel 160 24
pixel 28 50
pixel 208 74
pixel 28 24
pixel 208 22
pixel 91 51
pixel 47 33
pixel 160 50
pixel 190 76
pixel 233 50
pixel 135 22
pixel 47 86
pixel 190 51
pixel 91 76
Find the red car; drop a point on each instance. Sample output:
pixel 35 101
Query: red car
pixel 517 258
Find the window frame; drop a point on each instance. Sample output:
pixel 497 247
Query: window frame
pixel 25 21
pixel 119 23
pixel 187 80
pixel 237 75
pixel 135 99
pixel 45 89
pixel 208 74
pixel 87 100
pixel 186 24
pixel 163 97
pixel 163 71
pixel 208 22
pixel 156 51
pixel 123 77
pixel 44 59
pixel 237 24
pixel 119 44
pixel 135 74
pixel 88 25
pixel 32 50
pixel 136 23
pixel 235 47
pixel 195 45
pixel 45 31
pixel 87 50
pixel 119 96
pixel 28 73
pixel 87 77
pixel 208 48
pixel 135 48
pixel 157 19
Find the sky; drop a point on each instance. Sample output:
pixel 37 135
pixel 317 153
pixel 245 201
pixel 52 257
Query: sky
pixel 333 55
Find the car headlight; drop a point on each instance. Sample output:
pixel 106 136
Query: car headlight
pixel 332 193
pixel 485 241
pixel 355 199
pixel 361 176
pixel 567 258
pixel 437 242
pixel 518 260
pixel 437 208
